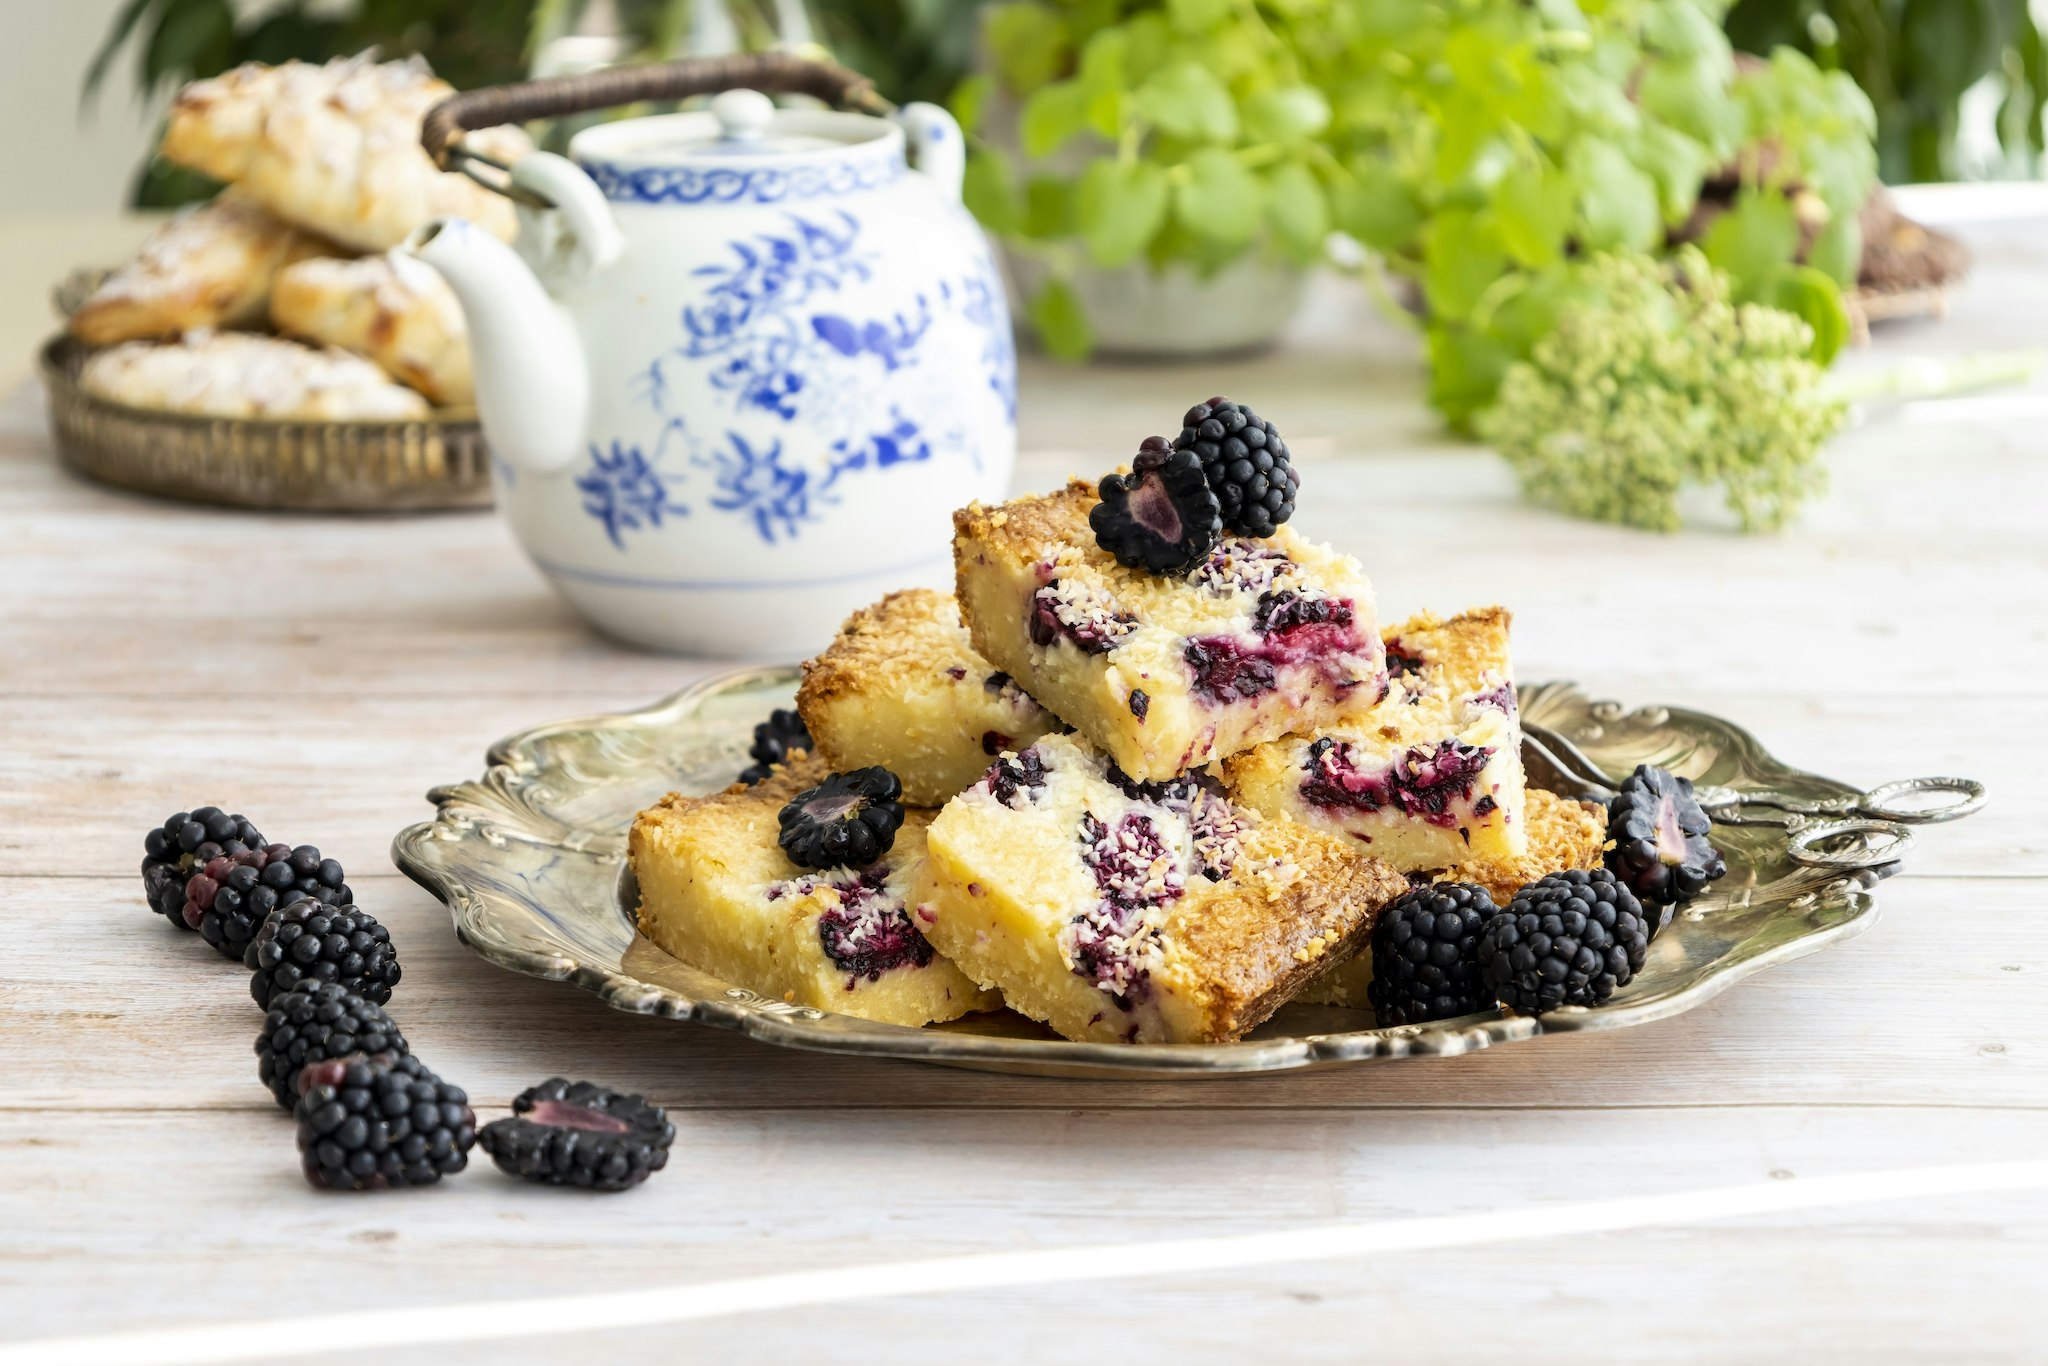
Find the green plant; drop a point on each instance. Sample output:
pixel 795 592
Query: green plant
pixel 1917 59
pixel 1653 378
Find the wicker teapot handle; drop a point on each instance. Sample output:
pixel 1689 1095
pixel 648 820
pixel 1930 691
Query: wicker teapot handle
pixel 778 72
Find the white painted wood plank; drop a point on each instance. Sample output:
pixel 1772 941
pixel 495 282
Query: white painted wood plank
pixel 117 1011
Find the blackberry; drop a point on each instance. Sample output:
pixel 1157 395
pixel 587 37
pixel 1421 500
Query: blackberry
pixel 228 900
pixel 1245 464
pixel 1007 779
pixel 1659 833
pixel 306 941
pixel 370 1123
pixel 1162 517
pixel 775 740
pixel 184 843
pixel 319 1022
pixel 1424 955
pixel 1568 939
pixel 565 1133
pixel 849 820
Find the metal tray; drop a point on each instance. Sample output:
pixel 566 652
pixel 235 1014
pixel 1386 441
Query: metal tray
pixel 440 462
pixel 531 860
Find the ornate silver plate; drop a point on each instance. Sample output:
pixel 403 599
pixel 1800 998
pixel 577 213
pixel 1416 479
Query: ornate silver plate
pixel 531 860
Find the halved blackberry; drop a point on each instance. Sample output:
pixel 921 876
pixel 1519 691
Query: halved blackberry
pixel 1660 841
pixel 1425 962
pixel 775 739
pixel 565 1133
pixel 847 821
pixel 1161 517
pixel 1245 464
pixel 318 1022
pixel 1569 939
pixel 373 1123
pixel 306 941
pixel 185 842
pixel 229 898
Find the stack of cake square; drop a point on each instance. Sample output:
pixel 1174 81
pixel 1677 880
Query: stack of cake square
pixel 1155 808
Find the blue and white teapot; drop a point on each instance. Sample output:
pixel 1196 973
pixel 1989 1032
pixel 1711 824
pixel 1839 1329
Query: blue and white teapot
pixel 743 364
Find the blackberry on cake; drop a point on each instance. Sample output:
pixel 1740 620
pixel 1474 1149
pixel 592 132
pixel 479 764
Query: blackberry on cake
pixel 1126 911
pixel 718 892
pixel 229 898
pixel 319 1022
pixel 580 1134
pixel 1424 955
pixel 376 1123
pixel 1245 464
pixel 849 820
pixel 776 740
pixel 184 843
pixel 902 686
pixel 1162 517
pixel 308 941
pixel 1570 939
pixel 1082 633
pixel 1659 838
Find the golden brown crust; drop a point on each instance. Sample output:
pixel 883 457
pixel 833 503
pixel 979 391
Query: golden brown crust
pixel 391 310
pixel 1250 962
pixel 876 647
pixel 1563 834
pixel 1463 646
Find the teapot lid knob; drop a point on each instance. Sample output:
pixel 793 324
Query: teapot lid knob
pixel 743 115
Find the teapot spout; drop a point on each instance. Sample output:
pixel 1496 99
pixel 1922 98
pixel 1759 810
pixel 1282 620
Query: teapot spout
pixel 532 385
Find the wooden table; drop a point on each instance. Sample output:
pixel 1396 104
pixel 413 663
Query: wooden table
pixel 320 673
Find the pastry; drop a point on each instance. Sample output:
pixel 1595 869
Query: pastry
pixel 1263 638
pixel 237 374
pixel 901 686
pixel 717 892
pixel 1119 911
pixel 392 309
pixel 1429 778
pixel 336 148
pixel 210 266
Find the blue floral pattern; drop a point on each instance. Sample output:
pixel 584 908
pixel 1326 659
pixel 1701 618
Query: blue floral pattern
pixel 624 491
pixel 703 184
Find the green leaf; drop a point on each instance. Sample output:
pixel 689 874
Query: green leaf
pixel 1286 114
pixel 118 33
pixel 1197 16
pixel 1186 100
pixel 1463 257
pixel 1618 205
pixel 990 192
pixel 1053 114
pixel 1298 210
pixel 1692 97
pixel 1102 62
pixel 1048 208
pixel 1815 297
pixel 1677 163
pixel 969 101
pixel 1683 28
pixel 1219 199
pixel 1838 251
pixel 193 38
pixel 1119 208
pixel 1533 204
pixel 1376 206
pixel 1062 327
pixel 1753 241
pixel 1465 369
pixel 1027 41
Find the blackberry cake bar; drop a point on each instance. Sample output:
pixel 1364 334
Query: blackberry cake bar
pixel 1432 777
pixel 901 686
pixel 1121 911
pixel 718 892
pixel 1167 671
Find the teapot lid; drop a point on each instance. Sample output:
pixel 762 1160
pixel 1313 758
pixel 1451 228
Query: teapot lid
pixel 740 125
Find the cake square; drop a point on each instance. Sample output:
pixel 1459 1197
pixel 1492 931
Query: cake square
pixel 717 892
pixel 1432 776
pixel 902 686
pixel 1263 639
pixel 1120 911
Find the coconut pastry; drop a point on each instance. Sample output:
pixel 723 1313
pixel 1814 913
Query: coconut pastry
pixel 388 308
pixel 239 374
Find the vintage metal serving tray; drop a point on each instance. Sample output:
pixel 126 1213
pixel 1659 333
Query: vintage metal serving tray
pixel 440 462
pixel 531 860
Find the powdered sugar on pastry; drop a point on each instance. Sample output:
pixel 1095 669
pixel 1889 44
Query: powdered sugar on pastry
pixel 211 266
pixel 392 309
pixel 235 374
pixel 335 148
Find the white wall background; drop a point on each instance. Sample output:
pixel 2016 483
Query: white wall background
pixel 56 155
